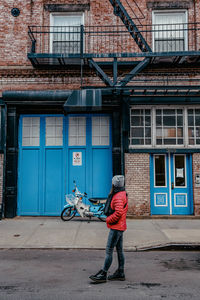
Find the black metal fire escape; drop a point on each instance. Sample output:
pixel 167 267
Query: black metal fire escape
pixel 120 11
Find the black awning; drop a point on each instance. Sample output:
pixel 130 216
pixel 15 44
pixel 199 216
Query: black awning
pixel 84 100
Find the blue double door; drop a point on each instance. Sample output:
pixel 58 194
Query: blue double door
pixel 55 150
pixel 171 184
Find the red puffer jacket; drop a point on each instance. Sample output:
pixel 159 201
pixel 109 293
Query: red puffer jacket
pixel 118 219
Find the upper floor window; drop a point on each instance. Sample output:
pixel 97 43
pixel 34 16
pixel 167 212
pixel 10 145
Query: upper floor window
pixel 169 31
pixel 65 37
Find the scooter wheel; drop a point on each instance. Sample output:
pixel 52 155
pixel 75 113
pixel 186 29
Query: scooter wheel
pixel 67 214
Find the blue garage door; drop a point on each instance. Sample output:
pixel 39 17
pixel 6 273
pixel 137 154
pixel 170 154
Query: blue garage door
pixel 54 151
pixel 171 184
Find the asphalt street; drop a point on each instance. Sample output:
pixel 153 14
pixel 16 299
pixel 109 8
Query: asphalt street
pixel 64 274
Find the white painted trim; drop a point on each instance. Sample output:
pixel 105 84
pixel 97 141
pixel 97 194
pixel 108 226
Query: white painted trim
pixel 165 205
pixel 186 205
pixel 153 108
pixel 170 187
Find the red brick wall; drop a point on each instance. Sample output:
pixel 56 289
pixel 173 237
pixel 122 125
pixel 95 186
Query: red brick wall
pixel 13 30
pixel 137 177
pixel 196 190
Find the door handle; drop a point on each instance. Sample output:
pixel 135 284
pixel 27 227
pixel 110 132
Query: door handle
pixel 172 185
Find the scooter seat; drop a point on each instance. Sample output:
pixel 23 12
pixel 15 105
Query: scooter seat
pixel 97 200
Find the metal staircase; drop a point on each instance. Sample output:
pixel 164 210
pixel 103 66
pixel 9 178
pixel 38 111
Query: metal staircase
pixel 120 11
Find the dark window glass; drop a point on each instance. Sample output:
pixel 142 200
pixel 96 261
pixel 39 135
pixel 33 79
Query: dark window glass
pixel 159 170
pixel 179 170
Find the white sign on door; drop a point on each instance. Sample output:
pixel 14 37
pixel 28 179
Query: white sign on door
pixel 77 159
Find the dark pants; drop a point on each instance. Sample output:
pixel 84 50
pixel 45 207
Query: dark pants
pixel 115 239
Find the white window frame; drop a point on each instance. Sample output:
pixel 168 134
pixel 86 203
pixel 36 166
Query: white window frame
pixel 57 14
pixel 153 127
pixel 77 136
pixel 31 137
pixel 100 132
pixel 160 12
pixel 163 108
pixel 143 108
pixel 49 136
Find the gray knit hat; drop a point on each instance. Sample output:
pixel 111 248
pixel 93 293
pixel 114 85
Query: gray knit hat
pixel 118 181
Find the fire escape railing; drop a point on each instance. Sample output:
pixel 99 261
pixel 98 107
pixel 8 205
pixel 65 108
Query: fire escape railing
pixel 113 41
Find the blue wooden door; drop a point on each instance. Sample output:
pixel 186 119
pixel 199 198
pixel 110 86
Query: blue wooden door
pixel 56 150
pixel 90 154
pixel 181 184
pixel 171 184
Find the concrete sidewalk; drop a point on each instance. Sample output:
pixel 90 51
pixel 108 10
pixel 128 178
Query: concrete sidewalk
pixel 142 234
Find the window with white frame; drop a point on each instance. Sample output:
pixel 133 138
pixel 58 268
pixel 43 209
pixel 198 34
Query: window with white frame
pixel 100 131
pixel 164 127
pixel 54 131
pixel 31 131
pixel 169 31
pixel 66 33
pixel 194 126
pixel 169 127
pixel 77 131
pixel 140 127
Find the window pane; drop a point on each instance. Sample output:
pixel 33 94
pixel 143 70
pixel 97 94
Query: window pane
pixel 147 132
pixel 169 124
pixel 190 120
pixel 77 131
pixel 169 121
pixel 197 120
pixel 140 127
pixel 100 131
pixel 158 121
pixel 179 170
pixel 31 131
pixel 54 131
pixel 159 170
pixel 137 132
pixel 137 121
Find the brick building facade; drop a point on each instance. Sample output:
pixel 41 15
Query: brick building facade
pixel 136 65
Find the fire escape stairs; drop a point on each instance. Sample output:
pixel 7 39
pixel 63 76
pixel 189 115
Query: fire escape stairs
pixel 120 11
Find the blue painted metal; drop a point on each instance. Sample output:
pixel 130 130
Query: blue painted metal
pixel 182 201
pixel 134 72
pixel 100 72
pixel 159 195
pixel 84 100
pixel 46 173
pixel 167 200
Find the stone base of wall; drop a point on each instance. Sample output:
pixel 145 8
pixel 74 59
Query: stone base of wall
pixel 137 176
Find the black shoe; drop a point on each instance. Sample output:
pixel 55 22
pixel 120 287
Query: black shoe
pixel 118 275
pixel 100 277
